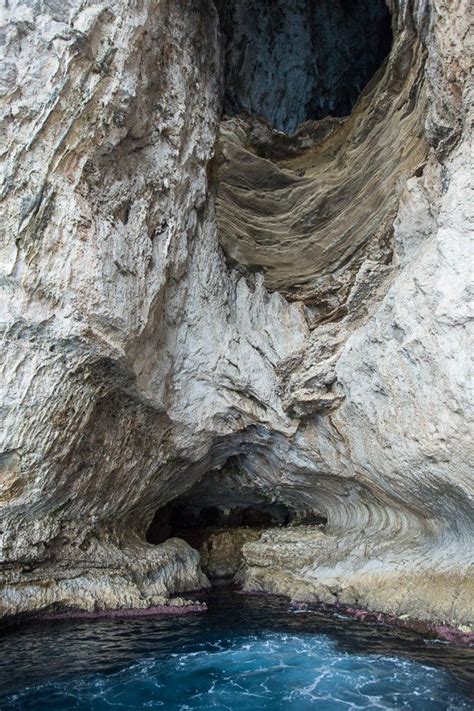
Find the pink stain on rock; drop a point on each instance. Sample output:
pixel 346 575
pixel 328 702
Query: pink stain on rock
pixel 153 610
pixel 446 633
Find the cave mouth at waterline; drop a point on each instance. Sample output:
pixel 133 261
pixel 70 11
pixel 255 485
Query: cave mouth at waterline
pixel 290 61
pixel 219 529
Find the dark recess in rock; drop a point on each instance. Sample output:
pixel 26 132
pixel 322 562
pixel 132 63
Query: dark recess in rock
pixel 178 519
pixel 294 60
pixel 182 520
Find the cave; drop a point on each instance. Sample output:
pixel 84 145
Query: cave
pixel 290 61
pixel 220 513
pixel 216 531
pixel 220 531
pixel 183 519
pixel 284 62
pixel 235 337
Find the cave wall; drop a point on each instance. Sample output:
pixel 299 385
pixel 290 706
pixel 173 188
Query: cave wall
pixel 294 60
pixel 139 354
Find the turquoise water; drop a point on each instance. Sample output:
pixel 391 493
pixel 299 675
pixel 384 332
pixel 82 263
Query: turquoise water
pixel 245 653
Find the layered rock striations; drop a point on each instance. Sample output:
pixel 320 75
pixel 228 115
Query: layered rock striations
pixel 215 308
pixel 308 210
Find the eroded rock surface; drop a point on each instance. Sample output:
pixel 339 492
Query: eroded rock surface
pixel 221 551
pixel 188 300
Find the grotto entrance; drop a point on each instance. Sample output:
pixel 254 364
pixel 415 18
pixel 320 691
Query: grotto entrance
pixel 185 520
pixel 290 61
pixel 219 531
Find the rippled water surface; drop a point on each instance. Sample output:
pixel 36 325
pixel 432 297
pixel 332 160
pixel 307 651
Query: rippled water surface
pixel 246 653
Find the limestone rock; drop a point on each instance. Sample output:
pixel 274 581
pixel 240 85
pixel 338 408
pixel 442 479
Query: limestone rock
pixel 189 300
pixel 221 551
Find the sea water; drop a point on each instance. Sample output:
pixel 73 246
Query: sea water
pixel 244 654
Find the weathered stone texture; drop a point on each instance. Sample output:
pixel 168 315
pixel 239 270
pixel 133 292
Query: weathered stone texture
pixel 138 356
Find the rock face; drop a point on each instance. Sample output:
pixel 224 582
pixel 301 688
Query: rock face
pixel 221 552
pixel 281 319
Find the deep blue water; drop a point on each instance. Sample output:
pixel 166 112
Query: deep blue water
pixel 246 653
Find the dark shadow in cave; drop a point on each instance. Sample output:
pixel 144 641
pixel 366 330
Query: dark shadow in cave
pixel 195 522
pixel 294 60
pixel 187 521
pixel 222 512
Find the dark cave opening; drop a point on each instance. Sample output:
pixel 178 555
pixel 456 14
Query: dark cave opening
pixel 290 61
pixel 219 532
pixel 225 509
pixel 188 521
